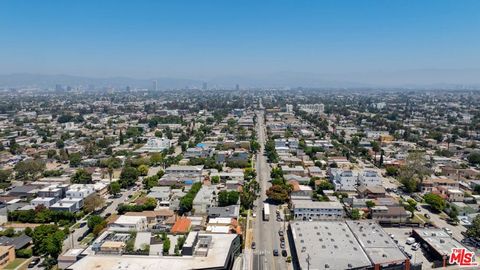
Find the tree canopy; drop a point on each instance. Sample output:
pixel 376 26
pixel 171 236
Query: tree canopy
pixel 435 201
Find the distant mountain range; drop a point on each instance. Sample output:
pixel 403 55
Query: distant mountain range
pixel 421 78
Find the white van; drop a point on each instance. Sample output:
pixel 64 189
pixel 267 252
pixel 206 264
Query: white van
pixel 410 240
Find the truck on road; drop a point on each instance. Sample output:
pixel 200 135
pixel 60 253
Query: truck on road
pixel 266 211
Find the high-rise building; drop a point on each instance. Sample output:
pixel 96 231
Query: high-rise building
pixel 237 87
pixel 289 108
pixel 155 86
pixel 58 87
pixel 204 86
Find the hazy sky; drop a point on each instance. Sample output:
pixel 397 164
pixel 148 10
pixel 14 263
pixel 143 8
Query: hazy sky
pixel 203 39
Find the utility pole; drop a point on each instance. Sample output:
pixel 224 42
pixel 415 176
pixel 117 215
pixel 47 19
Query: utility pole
pixel 308 261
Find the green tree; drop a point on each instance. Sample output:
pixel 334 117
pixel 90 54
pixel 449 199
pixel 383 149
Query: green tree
pixel 93 202
pixel 143 170
pixel 156 159
pixel 278 193
pixel 121 138
pixel 4 176
pixel 435 201
pixel 370 204
pixel 376 148
pixel 413 172
pixel 474 230
pixel 391 171
pixel 128 176
pixel 29 170
pixel 166 246
pixel 324 185
pixel 186 202
pixel 51 153
pixel 226 198
pixel 355 214
pixel 60 144
pixel 149 182
pixel 81 176
pixel 410 206
pixel 114 188
pixel 215 179
pixel 453 214
pixel 93 221
pixel 474 158
pixel 75 159
pixel 48 240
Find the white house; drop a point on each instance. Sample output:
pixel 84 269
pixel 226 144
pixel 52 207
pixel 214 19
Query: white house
pixel 345 180
pixel 369 178
pixel 45 201
pixel 80 191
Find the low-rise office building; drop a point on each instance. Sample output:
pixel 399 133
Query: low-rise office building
pixel 313 210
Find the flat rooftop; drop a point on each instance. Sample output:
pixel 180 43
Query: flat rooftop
pixel 329 245
pixel 316 205
pixel 216 258
pixel 439 240
pixel 376 242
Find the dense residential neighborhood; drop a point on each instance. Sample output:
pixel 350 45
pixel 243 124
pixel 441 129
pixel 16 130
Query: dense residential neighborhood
pixel 246 180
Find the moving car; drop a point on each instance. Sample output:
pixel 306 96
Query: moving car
pixel 254 245
pixel 275 252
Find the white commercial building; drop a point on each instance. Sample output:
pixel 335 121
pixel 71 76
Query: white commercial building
pixel 155 145
pixel 128 224
pixel 313 210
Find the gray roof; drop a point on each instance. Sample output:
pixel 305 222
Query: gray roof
pixel 376 242
pixel 227 211
pixel 439 240
pixel 18 242
pixel 329 245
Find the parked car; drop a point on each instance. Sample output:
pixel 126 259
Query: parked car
pixel 280 233
pixel 448 231
pixel 410 241
pixel 34 262
pixel 254 245
pixel 284 253
pixel 416 246
pixel 427 215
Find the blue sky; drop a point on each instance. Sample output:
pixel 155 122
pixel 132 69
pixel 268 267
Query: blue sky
pixel 204 39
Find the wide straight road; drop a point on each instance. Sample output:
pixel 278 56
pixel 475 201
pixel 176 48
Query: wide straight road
pixel 265 232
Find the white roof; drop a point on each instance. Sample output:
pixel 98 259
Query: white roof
pixel 129 219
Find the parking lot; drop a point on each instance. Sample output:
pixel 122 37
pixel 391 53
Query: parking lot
pixel 418 256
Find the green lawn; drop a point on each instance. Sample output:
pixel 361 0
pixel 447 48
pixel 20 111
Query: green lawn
pixel 15 263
